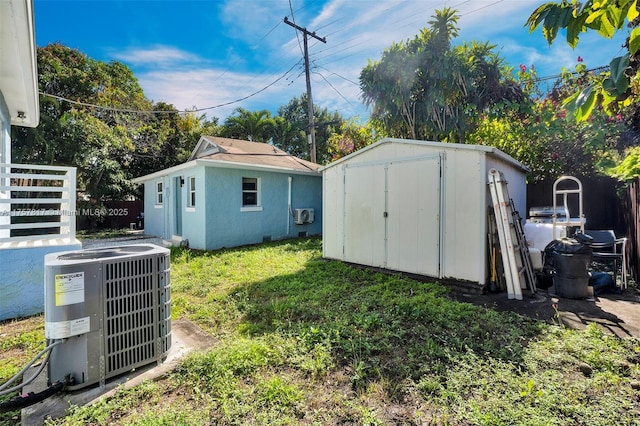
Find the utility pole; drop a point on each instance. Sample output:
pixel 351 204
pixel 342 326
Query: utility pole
pixel 312 126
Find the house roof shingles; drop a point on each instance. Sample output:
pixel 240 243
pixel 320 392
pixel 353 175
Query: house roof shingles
pixel 254 153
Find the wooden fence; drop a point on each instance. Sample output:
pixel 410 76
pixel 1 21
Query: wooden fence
pixel 112 215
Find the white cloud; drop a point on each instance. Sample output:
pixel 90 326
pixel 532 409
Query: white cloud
pixel 204 89
pixel 156 56
pixel 250 20
pixel 259 48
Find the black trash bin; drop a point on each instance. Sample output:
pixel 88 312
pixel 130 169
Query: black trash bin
pixel 567 261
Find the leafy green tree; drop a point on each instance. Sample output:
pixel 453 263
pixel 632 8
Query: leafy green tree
pixel 547 138
pixel 165 138
pixel 192 127
pixel 293 124
pixel 94 116
pixel 96 141
pixel 426 89
pixel 618 87
pixel 351 137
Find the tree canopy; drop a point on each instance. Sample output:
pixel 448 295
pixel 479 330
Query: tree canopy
pixel 86 122
pixel 255 126
pixel 617 88
pixel 616 91
pixel 426 89
pixel 95 117
pixel 287 130
pixel 294 124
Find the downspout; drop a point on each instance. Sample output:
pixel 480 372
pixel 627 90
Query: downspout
pixel 166 188
pixel 289 211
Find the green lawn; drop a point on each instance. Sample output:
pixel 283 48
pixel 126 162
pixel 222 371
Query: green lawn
pixel 309 341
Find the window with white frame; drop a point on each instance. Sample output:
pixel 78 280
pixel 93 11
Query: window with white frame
pixel 159 194
pixel 250 192
pixel 191 202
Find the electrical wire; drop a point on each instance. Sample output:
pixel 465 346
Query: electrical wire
pixel 47 350
pixel 481 8
pixel 293 19
pixel 557 76
pixel 336 90
pixel 238 59
pixel 23 401
pixel 339 76
pixel 135 111
pixel 286 73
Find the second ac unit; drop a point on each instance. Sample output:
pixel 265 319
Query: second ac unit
pixel 301 216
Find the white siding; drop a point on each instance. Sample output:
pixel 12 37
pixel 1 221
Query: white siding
pixel 363 225
pixel 413 226
pixel 435 196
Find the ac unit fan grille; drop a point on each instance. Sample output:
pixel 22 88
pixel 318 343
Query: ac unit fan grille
pixel 134 289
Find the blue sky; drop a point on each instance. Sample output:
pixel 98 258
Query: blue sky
pixel 206 53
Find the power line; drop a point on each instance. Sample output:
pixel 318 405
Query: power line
pixel 481 8
pixel 238 59
pixel 557 76
pixel 336 90
pixel 338 75
pixel 134 111
pixel 293 19
pixel 312 131
pixel 408 21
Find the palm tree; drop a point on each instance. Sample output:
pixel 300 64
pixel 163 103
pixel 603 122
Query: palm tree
pixel 255 126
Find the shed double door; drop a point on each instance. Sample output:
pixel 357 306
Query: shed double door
pixel 393 213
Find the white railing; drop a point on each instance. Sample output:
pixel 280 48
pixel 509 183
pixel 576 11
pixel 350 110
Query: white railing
pixel 37 203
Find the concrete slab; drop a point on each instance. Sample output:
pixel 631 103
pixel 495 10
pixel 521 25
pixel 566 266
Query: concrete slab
pixel 618 314
pixel 185 336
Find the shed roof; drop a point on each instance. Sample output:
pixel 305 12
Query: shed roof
pixel 438 145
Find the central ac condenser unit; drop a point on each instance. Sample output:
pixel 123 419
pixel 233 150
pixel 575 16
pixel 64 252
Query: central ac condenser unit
pixel 113 308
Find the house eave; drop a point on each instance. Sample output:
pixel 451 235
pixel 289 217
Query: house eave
pixel 222 165
pixel 18 62
pixel 258 167
pixel 164 172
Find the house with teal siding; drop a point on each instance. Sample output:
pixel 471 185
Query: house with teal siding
pixel 231 193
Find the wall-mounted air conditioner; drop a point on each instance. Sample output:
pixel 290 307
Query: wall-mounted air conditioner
pixel 301 216
pixel 113 307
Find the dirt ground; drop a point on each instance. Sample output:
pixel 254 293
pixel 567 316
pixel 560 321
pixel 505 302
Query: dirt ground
pixel 617 313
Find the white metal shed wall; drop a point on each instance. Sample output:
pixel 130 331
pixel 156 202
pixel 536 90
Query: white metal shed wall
pixel 414 206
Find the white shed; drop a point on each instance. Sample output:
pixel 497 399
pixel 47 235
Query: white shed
pixel 415 206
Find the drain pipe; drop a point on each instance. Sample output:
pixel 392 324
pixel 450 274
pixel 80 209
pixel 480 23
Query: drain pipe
pixel 289 206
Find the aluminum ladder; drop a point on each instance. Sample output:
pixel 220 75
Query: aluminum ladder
pixel 516 260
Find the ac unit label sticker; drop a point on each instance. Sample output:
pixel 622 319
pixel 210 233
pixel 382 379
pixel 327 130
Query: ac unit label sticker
pixel 64 329
pixel 69 288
